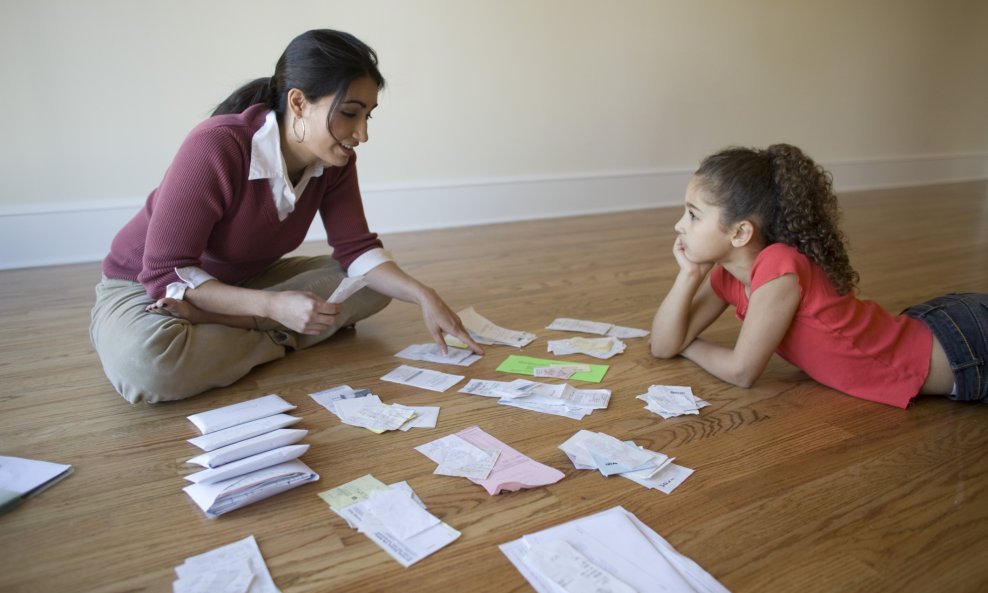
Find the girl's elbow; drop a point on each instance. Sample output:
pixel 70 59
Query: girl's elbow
pixel 745 378
pixel 745 382
pixel 663 351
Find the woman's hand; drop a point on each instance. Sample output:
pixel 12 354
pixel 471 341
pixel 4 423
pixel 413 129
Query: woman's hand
pixel 440 319
pixel 303 312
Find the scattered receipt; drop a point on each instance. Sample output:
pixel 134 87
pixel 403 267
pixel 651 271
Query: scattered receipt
pixel 483 331
pixel 594 327
pixel 608 455
pixel 233 568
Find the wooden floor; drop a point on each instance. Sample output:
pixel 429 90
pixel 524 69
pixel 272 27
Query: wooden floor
pixel 797 487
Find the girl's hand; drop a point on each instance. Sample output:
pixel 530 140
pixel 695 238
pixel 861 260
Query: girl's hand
pixel 440 319
pixel 686 265
pixel 303 312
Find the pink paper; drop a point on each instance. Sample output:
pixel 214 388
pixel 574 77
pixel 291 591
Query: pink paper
pixel 513 471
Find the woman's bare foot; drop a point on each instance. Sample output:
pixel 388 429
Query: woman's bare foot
pixel 176 308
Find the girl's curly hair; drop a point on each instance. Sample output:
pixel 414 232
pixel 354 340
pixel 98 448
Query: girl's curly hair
pixel 789 197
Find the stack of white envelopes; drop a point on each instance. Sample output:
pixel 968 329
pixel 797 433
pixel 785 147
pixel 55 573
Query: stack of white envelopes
pixel 249 454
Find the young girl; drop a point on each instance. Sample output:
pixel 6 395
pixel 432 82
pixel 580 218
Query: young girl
pixel 195 290
pixel 760 233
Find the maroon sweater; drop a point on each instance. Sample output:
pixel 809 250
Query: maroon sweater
pixel 207 214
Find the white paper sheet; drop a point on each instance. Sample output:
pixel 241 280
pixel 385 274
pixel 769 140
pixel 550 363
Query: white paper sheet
pixel 620 544
pixel 431 353
pixel 346 289
pixel 224 569
pixel 422 378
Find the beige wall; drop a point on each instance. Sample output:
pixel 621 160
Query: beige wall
pixel 98 94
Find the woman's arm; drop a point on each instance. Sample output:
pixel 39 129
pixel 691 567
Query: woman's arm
pixel 770 313
pixel 300 311
pixel 390 280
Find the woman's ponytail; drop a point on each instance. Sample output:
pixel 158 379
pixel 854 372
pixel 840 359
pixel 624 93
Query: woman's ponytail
pixel 319 63
pixel 259 90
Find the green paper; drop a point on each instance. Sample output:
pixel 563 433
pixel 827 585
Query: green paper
pixel 526 365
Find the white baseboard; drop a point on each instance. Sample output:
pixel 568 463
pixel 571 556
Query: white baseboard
pixel 51 234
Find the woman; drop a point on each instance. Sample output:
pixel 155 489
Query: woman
pixel 195 291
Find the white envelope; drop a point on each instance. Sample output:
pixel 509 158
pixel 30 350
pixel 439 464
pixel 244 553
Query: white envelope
pixel 234 414
pixel 216 498
pixel 252 446
pixel 241 432
pixel 248 464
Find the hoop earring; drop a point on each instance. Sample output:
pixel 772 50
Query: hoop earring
pixel 295 120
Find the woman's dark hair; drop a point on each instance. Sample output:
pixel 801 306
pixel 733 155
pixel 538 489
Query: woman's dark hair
pixel 788 196
pixel 319 63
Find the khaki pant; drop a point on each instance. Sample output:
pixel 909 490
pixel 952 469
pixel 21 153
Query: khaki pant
pixel 155 358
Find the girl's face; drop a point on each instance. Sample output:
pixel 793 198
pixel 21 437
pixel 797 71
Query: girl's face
pixel 348 124
pixel 703 238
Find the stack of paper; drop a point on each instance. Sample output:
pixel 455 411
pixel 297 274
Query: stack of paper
pixel 360 407
pixel 431 353
pixel 422 378
pixel 233 568
pixel 558 400
pixel 21 479
pixel 483 331
pixel 671 400
pixel 596 347
pixel 474 454
pixel 392 516
pixel 249 454
pixel 593 327
pixel 602 452
pixel 610 551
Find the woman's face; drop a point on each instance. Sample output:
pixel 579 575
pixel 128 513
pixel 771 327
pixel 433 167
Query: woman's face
pixel 348 125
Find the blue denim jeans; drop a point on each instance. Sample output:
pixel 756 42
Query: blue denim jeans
pixel 959 321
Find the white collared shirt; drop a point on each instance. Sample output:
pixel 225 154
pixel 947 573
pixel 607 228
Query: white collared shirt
pixel 268 162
